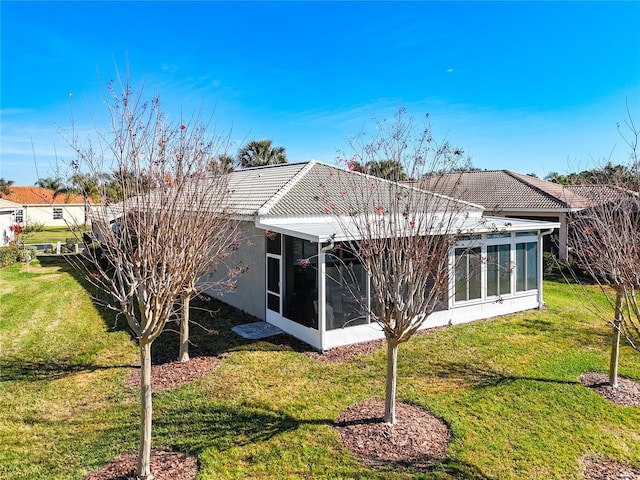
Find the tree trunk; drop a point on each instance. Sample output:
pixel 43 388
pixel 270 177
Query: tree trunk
pixel 183 356
pixel 615 343
pixel 390 391
pixel 146 410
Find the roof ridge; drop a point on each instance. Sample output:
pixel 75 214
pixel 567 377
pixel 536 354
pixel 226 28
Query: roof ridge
pixel 269 204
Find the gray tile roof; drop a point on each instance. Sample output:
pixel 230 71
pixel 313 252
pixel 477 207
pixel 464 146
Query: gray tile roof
pixel 504 190
pixel 315 188
pixel 252 188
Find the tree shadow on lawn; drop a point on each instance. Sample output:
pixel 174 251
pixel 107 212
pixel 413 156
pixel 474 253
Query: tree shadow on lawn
pixel 482 376
pixel 109 317
pixel 572 333
pixel 201 424
pixel 18 369
pixel 210 329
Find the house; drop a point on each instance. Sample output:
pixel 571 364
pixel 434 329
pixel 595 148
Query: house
pixel 7 219
pixel 286 218
pixel 42 205
pixel 515 195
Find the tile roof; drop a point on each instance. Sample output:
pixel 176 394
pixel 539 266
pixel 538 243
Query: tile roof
pixel 41 196
pixel 314 188
pixel 251 188
pixel 598 194
pixel 503 190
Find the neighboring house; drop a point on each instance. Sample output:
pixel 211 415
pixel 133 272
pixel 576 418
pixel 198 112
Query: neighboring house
pixel 515 195
pixel 7 219
pixel 43 205
pixel 285 219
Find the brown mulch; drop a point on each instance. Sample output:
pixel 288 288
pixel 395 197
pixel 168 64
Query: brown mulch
pixel 418 439
pixel 627 393
pixel 172 374
pixel 164 466
pixel 600 469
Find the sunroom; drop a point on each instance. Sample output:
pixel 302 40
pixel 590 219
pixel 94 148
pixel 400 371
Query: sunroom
pixel 313 279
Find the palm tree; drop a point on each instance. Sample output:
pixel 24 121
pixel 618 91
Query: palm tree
pixel 260 152
pixel 387 169
pixel 89 187
pixel 5 186
pixel 51 183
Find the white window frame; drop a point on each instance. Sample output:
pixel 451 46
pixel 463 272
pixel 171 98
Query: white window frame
pixel 482 242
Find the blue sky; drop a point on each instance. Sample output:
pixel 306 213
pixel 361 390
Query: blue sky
pixel 532 87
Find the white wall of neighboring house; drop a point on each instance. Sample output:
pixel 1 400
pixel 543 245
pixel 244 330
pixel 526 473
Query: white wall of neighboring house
pixel 60 215
pixel 6 220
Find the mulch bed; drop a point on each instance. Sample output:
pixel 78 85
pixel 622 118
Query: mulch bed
pixel 164 466
pixel 418 440
pixel 627 393
pixel 172 374
pixel 599 469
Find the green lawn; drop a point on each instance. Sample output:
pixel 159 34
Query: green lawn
pixel 50 235
pixel 508 387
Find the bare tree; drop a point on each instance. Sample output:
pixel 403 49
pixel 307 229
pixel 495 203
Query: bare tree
pixel 169 228
pixel 605 245
pixel 402 235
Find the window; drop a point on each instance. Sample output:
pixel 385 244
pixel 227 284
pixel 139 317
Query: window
pixel 468 274
pixel 498 270
pixel 19 216
pixel 57 213
pixel 526 266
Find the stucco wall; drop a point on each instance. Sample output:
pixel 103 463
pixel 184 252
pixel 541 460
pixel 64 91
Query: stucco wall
pixel 71 215
pixel 249 294
pixel 6 235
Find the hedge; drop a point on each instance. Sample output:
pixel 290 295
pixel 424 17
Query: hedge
pixel 8 255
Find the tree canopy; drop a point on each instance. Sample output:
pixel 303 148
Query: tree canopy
pixel 258 153
pixel 5 186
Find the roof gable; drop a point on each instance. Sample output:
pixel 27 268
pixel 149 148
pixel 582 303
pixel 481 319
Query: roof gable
pixel 314 188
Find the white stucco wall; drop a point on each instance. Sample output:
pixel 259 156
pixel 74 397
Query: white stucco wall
pixel 6 235
pixel 71 215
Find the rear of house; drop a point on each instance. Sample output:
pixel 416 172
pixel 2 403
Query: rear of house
pixel 302 279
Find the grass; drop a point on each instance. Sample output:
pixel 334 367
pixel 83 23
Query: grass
pixel 508 387
pixel 51 235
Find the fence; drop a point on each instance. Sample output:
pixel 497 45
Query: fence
pixel 57 248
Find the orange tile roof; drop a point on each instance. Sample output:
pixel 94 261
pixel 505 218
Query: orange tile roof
pixel 41 196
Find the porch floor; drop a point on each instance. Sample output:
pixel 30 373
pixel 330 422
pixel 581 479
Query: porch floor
pixel 257 330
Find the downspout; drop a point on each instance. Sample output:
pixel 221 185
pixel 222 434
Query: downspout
pixel 322 303
pixel 540 265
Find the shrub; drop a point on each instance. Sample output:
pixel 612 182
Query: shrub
pixel 8 256
pixel 33 227
pixel 550 263
pixel 29 250
pixel 69 246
